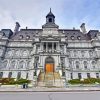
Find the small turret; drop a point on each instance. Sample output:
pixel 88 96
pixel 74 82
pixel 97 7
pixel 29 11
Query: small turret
pixel 83 29
pixel 16 28
pixel 50 18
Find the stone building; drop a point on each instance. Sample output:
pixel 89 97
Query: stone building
pixel 71 53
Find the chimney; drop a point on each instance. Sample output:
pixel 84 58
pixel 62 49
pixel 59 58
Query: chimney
pixel 83 29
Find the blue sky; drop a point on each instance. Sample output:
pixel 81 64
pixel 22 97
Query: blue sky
pixel 31 13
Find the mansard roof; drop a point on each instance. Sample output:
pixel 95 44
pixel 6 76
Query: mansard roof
pixel 69 33
pixel 26 32
pixel 74 33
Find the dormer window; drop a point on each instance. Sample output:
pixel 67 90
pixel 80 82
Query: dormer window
pixel 27 37
pixel 78 37
pixel 72 37
pixel 66 37
pixel 21 36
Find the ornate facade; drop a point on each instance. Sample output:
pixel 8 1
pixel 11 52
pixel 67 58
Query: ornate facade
pixel 72 53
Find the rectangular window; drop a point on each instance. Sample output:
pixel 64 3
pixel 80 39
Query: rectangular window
pixel 85 67
pixel 97 75
pixel 79 75
pixel 88 75
pixel 1 74
pixel 71 75
pixel 10 75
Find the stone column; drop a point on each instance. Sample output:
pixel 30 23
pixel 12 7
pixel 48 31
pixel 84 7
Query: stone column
pixel 58 46
pixel 42 46
pixel 34 48
pixel 64 48
pixel 89 64
pixel 98 64
pixel 59 59
pixel 46 46
pixel 53 47
pixel 67 62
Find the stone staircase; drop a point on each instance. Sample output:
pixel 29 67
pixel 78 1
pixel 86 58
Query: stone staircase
pixel 50 79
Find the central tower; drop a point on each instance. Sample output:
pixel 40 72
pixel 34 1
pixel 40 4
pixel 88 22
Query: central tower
pixel 50 18
pixel 50 21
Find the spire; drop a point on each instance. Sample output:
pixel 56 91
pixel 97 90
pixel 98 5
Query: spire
pixel 50 10
pixel 50 14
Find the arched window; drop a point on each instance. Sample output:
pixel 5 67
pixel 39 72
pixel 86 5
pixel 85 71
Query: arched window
pixel 9 53
pixel 77 64
pixel 75 53
pixel 70 64
pixel 83 53
pixel 93 64
pixel 91 53
pixel 85 64
pixel 3 64
pixel 21 64
pixel 1 74
pixel 28 64
pixel 17 53
pixel 25 53
pixel 19 75
pixel 10 75
pixel 26 75
pixel 12 66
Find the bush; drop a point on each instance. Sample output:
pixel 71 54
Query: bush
pixel 74 81
pixel 11 81
pixel 85 81
pixel 21 81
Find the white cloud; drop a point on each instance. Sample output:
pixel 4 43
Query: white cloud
pixel 31 13
pixel 6 19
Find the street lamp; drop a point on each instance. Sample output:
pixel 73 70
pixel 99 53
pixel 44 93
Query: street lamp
pixel 35 67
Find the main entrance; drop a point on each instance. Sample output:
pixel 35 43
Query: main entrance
pixel 49 64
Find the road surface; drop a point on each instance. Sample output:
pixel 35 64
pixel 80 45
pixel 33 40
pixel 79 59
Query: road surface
pixel 50 95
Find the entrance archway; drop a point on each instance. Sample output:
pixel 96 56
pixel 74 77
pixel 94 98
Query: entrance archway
pixel 49 64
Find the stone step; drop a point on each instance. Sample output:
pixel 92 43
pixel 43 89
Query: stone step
pixel 50 79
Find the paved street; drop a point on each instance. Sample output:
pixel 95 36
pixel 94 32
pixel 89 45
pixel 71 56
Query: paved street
pixel 50 95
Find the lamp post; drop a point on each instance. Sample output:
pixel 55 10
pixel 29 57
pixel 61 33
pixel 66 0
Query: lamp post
pixel 35 67
pixel 63 69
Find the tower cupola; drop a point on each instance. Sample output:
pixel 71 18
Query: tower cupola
pixel 50 18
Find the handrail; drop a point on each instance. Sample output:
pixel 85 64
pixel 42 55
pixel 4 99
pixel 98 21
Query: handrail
pixel 38 72
pixel 44 76
pixel 54 77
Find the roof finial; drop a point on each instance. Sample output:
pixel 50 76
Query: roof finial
pixel 50 9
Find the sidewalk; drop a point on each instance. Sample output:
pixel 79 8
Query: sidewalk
pixel 44 89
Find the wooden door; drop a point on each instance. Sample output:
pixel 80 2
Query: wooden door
pixel 49 67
